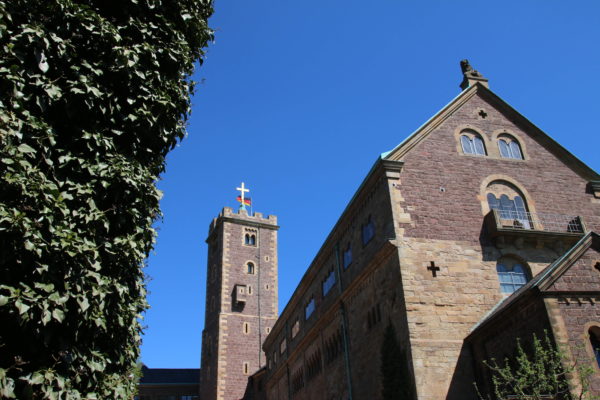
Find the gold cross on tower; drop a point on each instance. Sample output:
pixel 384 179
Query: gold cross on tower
pixel 242 190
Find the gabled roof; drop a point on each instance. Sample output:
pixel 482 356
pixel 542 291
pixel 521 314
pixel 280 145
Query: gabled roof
pixel 170 376
pixel 546 278
pixel 398 152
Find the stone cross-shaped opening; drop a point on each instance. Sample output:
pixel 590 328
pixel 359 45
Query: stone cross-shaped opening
pixel 482 114
pixel 433 268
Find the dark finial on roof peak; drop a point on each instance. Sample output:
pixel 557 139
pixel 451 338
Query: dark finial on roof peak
pixel 470 75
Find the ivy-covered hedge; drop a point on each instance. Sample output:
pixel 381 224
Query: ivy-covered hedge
pixel 93 94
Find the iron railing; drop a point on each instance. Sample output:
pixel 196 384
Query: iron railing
pixel 538 221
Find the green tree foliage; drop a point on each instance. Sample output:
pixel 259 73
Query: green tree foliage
pixel 395 377
pixel 93 94
pixel 540 373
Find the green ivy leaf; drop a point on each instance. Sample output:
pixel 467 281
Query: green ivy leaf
pixel 58 315
pixel 24 148
pixel 21 307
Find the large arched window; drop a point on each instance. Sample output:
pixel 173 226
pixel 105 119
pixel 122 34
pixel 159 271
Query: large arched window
pixel 509 147
pixel 509 203
pixel 594 333
pixel 512 274
pixel 472 143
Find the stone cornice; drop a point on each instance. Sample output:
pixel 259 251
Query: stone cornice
pixel 246 222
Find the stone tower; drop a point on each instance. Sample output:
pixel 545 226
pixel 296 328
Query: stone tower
pixel 241 301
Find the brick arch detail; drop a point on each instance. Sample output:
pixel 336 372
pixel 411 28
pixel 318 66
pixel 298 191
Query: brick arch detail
pixel 519 259
pixel 501 177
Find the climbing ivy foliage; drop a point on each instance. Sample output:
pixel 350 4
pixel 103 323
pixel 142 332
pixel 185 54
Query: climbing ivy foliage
pixel 93 94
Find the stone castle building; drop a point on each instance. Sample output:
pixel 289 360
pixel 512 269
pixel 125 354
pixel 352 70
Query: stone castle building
pixel 241 301
pixel 476 230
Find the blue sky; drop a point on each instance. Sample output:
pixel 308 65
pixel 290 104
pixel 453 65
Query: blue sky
pixel 298 98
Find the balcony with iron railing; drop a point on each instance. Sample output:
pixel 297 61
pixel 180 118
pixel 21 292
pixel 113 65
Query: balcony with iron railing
pixel 535 225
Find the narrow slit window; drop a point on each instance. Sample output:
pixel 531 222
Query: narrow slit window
pixel 309 309
pixel 347 256
pixel 329 282
pixel 368 231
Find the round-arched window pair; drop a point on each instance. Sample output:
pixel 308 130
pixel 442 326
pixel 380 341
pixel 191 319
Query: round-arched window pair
pixel 250 240
pixel 509 147
pixel 472 143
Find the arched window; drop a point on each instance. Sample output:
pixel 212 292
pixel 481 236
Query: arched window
pixel 250 267
pixel 509 147
pixel 594 333
pixel 250 237
pixel 472 143
pixel 512 274
pixel 509 202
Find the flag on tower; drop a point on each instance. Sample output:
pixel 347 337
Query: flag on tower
pixel 247 201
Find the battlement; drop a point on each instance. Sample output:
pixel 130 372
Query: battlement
pixel 229 214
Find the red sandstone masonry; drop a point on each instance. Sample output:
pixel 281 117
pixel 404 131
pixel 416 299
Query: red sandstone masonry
pixel 235 331
pixel 456 213
pixel 432 315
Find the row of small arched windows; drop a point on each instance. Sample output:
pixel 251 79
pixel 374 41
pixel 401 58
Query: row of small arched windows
pixel 472 143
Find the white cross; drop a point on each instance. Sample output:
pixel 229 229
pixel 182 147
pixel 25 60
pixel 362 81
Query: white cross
pixel 242 191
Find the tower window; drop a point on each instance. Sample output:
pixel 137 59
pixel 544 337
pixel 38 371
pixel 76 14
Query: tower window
pixel 250 237
pixel 246 328
pixel 246 368
pixel 250 240
pixel 250 268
